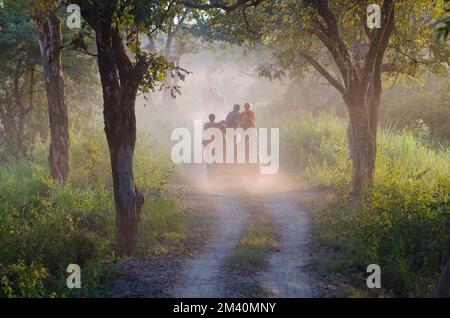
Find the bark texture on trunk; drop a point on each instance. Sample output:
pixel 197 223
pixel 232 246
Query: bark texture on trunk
pixel 363 148
pixel 363 107
pixel 49 35
pixel 120 80
pixel 120 86
pixel 363 102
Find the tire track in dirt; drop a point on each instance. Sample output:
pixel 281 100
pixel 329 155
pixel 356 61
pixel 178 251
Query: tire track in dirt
pixel 287 274
pixel 222 216
pixel 202 274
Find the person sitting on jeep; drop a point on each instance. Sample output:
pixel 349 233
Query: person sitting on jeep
pixel 211 123
pixel 232 120
pixel 247 117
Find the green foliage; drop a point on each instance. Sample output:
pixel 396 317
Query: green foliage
pixel 164 226
pixel 18 39
pixel 134 19
pixel 19 56
pixel 288 29
pixel 255 245
pixel 425 111
pixel 405 224
pixel 443 28
pixel 317 148
pixel 19 280
pixel 45 226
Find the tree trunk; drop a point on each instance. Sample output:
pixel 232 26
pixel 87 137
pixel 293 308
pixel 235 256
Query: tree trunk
pixel 362 145
pixel 24 111
pixel 362 135
pixel 49 35
pixel 120 129
pixel 119 98
pixel 128 200
pixel 20 111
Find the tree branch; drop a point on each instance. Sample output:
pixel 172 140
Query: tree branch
pixel 247 24
pixel 219 5
pixel 181 20
pixel 324 72
pixel 380 42
pixel 31 92
pixel 329 35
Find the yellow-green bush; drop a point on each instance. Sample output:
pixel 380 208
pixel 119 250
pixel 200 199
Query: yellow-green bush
pixel 405 224
pixel 44 226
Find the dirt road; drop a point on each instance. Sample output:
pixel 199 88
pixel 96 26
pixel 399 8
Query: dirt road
pixel 202 274
pixel 287 274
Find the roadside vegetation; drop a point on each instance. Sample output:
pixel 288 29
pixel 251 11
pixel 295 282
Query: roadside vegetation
pixel 403 226
pixel 78 208
pixel 44 226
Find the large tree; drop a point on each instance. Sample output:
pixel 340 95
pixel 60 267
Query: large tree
pixel 124 69
pixel 333 37
pixel 121 75
pixel 50 44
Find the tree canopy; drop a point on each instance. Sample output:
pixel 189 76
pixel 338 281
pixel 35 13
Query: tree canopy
pixel 289 30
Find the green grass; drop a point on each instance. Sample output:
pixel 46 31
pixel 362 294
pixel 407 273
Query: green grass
pixel 404 226
pixel 164 227
pixel 250 255
pixel 255 245
pixel 45 226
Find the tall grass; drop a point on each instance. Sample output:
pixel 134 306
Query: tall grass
pixel 44 226
pixel 405 224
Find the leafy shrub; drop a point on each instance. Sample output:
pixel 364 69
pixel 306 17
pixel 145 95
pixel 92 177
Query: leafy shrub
pixel 163 226
pixel 404 226
pixel 314 148
pixel 19 280
pixel 425 112
pixel 44 226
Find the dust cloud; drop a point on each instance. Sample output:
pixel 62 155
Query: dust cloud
pixel 219 78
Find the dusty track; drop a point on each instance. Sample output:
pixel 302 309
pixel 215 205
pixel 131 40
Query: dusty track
pixel 224 217
pixel 202 273
pixel 287 274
